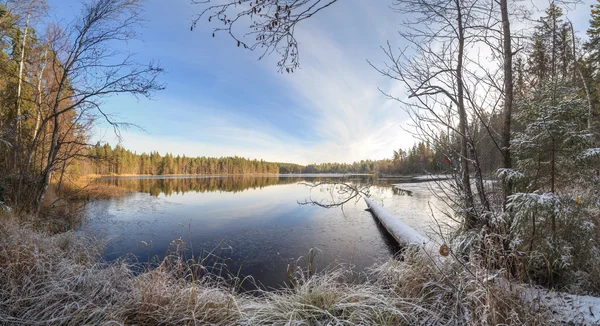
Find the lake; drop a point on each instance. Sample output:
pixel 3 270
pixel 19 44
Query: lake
pixel 256 224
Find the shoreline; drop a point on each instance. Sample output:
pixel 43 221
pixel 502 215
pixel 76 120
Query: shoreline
pixel 173 291
pixel 125 175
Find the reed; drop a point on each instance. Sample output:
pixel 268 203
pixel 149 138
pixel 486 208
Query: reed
pixel 61 279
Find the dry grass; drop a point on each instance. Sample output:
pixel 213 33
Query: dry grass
pixel 88 189
pixel 62 209
pixel 61 279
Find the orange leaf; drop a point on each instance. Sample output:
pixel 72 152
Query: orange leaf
pixel 444 250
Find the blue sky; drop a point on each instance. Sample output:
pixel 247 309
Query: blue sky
pixel 221 101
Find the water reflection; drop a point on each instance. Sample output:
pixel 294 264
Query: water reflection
pixel 253 222
pixel 401 192
pixel 169 185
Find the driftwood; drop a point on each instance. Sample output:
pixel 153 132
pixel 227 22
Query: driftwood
pixel 402 232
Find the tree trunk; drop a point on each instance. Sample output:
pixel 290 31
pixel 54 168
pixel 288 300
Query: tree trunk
pixel 508 94
pixel 479 180
pixel 52 151
pixel 54 145
pixel 35 140
pixel 589 100
pixel 39 94
pixel 553 180
pixel 62 174
pixel 20 83
pixel 554 80
pixel 552 168
pixel 470 218
pixel 532 232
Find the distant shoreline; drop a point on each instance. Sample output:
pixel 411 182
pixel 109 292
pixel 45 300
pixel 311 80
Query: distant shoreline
pixel 95 176
pixel 392 178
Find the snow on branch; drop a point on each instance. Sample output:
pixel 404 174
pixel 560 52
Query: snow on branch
pixel 591 152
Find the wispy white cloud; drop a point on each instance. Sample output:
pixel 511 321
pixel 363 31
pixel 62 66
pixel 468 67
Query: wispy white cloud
pixel 221 101
pixel 334 98
pixel 351 117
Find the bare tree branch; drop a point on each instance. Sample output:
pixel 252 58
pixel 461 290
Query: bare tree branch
pixel 270 24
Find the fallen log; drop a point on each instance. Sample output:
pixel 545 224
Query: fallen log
pixel 402 232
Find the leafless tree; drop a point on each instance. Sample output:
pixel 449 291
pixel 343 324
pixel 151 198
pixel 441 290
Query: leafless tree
pixel 87 68
pixel 340 193
pixel 270 24
pixel 449 90
pixel 433 70
pixel 33 9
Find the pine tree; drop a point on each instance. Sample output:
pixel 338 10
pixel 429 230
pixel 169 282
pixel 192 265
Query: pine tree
pixel 592 46
pixel 553 139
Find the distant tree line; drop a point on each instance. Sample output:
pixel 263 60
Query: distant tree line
pixel 104 159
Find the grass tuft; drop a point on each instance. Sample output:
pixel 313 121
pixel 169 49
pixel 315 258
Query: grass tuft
pixel 61 279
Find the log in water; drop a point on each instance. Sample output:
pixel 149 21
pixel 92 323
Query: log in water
pixel 402 232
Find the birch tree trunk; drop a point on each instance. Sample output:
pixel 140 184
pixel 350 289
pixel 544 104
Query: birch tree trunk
pixel 20 82
pixel 39 94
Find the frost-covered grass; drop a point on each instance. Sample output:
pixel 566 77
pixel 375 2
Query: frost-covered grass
pixel 61 279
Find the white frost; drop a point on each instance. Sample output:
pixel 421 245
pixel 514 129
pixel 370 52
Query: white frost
pixel 403 233
pixel 591 152
pixel 567 308
pixel 432 177
pixel 510 174
pixel 4 207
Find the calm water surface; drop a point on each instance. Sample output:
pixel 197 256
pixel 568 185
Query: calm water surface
pixel 255 223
